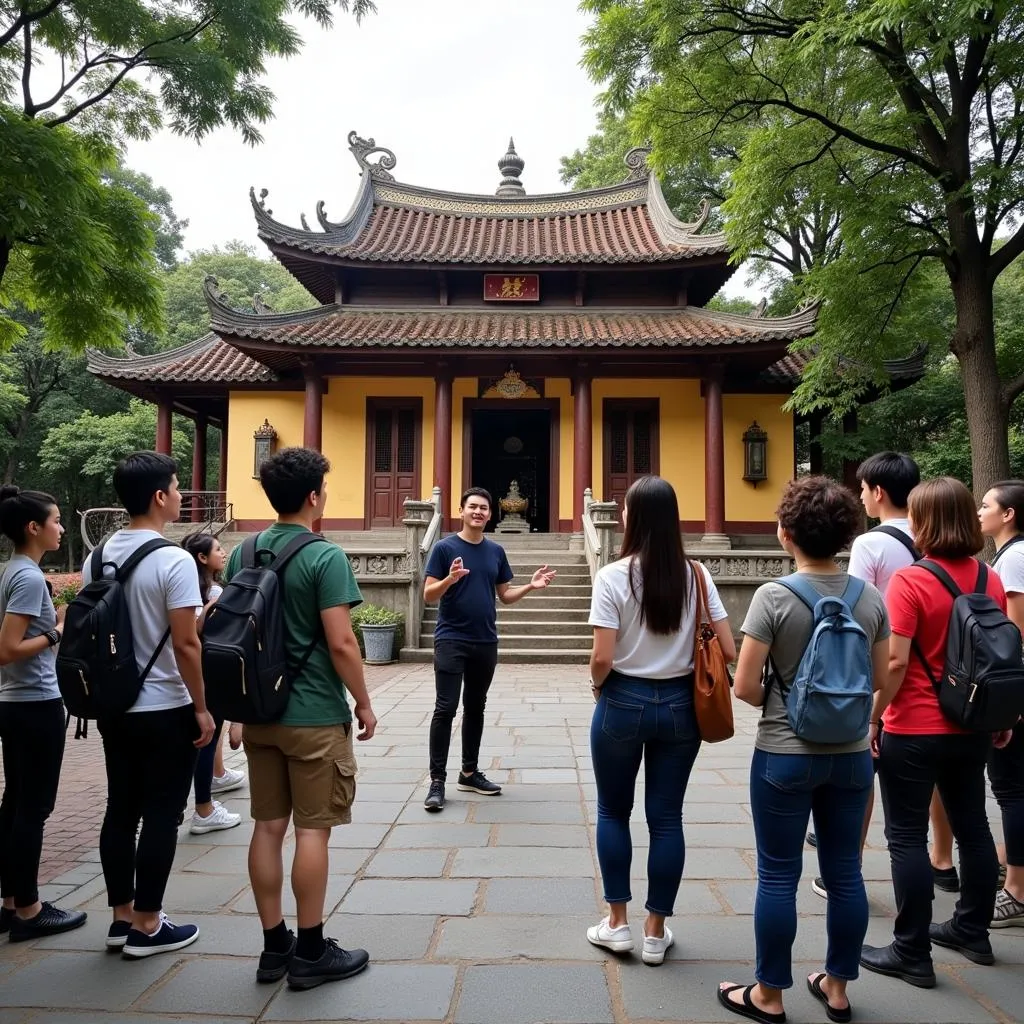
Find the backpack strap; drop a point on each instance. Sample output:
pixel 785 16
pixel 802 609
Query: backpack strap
pixel 803 589
pixel 1006 547
pixel 943 577
pixel 897 534
pixel 129 565
pixel 96 562
pixel 292 548
pixel 249 548
pixel 854 592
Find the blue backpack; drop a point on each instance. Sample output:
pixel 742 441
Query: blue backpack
pixel 829 700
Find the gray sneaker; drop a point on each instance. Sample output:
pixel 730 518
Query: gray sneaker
pixel 1009 911
pixel 435 796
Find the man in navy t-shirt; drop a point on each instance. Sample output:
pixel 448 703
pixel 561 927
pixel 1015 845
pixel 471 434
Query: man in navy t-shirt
pixel 464 572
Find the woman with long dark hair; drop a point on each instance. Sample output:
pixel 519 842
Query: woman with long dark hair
pixel 922 749
pixel 211 815
pixel 1002 518
pixel 32 722
pixel 641 671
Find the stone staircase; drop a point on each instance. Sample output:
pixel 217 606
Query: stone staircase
pixel 549 626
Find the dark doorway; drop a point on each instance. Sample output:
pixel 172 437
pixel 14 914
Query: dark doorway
pixel 393 459
pixel 514 444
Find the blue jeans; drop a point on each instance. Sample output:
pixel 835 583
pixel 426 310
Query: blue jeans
pixel 784 790
pixel 634 719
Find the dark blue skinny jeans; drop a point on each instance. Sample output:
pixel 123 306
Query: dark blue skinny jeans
pixel 784 790
pixel 654 721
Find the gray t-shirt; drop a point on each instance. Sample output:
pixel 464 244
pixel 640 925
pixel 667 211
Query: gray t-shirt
pixel 165 580
pixel 779 618
pixel 23 591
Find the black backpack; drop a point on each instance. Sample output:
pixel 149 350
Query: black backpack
pixel 1006 547
pixel 245 663
pixel 97 672
pixel 982 684
pixel 897 534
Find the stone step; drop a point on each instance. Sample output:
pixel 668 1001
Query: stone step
pixel 534 641
pixel 516 613
pixel 532 627
pixel 522 656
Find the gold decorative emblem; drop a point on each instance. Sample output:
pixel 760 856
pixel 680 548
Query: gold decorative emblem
pixel 511 386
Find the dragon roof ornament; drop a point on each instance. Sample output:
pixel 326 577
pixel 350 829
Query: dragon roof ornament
pixel 362 148
pixel 636 161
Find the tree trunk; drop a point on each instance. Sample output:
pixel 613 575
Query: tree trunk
pixel 973 344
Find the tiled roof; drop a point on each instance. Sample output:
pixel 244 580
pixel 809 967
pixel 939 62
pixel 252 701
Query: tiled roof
pixel 475 328
pixel 205 360
pixel 393 223
pixel 902 370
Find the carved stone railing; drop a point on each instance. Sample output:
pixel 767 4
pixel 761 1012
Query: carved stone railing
pixel 600 519
pixel 739 566
pixel 422 523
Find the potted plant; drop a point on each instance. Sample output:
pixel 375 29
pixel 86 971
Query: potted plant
pixel 375 628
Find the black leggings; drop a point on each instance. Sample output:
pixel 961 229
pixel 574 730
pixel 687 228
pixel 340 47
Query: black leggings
pixel 32 733
pixel 455 661
pixel 150 759
pixel 1006 773
pixel 204 765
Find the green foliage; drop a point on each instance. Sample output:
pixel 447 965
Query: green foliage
pixel 170 233
pixel 66 594
pixel 374 615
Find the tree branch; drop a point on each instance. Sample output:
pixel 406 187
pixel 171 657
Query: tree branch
pixel 27 17
pixel 1012 389
pixel 1004 256
pixel 26 70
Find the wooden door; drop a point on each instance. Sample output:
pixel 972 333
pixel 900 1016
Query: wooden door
pixel 393 455
pixel 630 444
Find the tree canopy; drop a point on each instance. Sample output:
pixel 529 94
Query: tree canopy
pixel 905 118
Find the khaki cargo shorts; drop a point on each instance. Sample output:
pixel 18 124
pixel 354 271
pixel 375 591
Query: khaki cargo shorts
pixel 308 772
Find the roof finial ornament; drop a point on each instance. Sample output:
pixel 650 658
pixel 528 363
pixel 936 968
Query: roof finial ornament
pixel 259 304
pixel 511 166
pixel 213 292
pixel 362 148
pixel 636 161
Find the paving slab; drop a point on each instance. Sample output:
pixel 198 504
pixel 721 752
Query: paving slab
pixel 543 835
pixel 510 811
pixel 337 886
pixel 564 896
pixel 398 992
pixel 440 832
pixel 511 937
pixel 528 993
pixel 407 864
pixel 212 985
pixel 385 936
pixel 380 896
pixel 521 861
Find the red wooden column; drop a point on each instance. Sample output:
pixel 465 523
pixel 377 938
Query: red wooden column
pixel 714 458
pixel 222 483
pixel 313 413
pixel 582 432
pixel 443 441
pixel 164 411
pixel 199 468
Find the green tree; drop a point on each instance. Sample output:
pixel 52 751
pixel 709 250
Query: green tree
pixel 925 118
pixel 76 244
pixel 170 231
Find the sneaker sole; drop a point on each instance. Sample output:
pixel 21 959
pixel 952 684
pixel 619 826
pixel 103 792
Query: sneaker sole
pixel 982 959
pixel 823 893
pixel 116 944
pixel 656 959
pixel 140 953
pixel 433 809
pixel 44 933
pixel 1012 922
pixel 228 789
pixel 917 980
pixel 301 984
pixel 483 792
pixel 202 830
pixel 264 976
pixel 621 946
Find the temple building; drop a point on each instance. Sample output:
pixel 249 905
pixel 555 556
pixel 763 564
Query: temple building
pixel 561 342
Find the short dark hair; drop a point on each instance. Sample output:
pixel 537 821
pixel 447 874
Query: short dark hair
pixel 475 492
pixel 895 473
pixel 820 514
pixel 290 475
pixel 139 476
pixel 18 508
pixel 945 519
pixel 1010 495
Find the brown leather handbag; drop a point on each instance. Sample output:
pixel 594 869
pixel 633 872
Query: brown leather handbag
pixel 712 693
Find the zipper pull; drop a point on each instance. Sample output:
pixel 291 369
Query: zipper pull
pixel 113 644
pixel 85 684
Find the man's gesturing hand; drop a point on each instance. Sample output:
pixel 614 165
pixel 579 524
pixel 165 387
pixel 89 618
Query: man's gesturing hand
pixel 456 572
pixel 542 577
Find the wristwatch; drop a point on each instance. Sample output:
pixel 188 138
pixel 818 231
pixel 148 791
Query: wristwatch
pixel 53 637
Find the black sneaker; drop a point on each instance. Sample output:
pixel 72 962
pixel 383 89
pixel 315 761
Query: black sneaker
pixel 946 879
pixel 50 920
pixel 478 783
pixel 435 796
pixel 978 951
pixel 812 840
pixel 885 960
pixel 6 917
pixel 334 965
pixel 818 885
pixel 274 966
pixel 117 935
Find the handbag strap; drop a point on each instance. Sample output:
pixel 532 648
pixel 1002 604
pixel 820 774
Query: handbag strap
pixel 702 611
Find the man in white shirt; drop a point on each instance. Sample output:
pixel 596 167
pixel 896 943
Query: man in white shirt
pixel 150 750
pixel 886 480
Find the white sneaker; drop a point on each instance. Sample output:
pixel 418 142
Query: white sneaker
pixel 220 819
pixel 655 949
pixel 231 779
pixel 618 940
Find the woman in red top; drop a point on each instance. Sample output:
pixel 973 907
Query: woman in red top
pixel 921 749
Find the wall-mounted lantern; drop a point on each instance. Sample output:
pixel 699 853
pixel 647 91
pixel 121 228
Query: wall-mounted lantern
pixel 264 439
pixel 755 454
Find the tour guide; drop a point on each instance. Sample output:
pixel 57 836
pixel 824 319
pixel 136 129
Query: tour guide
pixel 464 572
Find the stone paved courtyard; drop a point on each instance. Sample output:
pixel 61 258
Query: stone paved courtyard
pixel 476 915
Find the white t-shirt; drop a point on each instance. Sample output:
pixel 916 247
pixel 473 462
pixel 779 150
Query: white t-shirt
pixel 639 652
pixel 163 581
pixel 215 591
pixel 875 557
pixel 1010 568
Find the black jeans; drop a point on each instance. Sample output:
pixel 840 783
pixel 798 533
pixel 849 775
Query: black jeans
pixel 32 734
pixel 1006 773
pixel 455 661
pixel 150 760
pixel 909 769
pixel 204 765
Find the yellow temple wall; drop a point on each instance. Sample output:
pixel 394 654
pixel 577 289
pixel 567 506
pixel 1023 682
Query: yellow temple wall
pixel 462 388
pixel 560 388
pixel 744 501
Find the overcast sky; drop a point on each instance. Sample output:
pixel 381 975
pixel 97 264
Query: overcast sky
pixel 443 83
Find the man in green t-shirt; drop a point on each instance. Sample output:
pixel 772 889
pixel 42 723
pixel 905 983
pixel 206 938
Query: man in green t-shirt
pixel 301 767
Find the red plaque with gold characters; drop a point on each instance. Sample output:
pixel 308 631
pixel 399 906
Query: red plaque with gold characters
pixel 511 287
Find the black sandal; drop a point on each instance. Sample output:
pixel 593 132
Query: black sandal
pixel 747 1008
pixel 839 1016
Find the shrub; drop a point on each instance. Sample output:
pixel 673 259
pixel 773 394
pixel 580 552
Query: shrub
pixel 374 615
